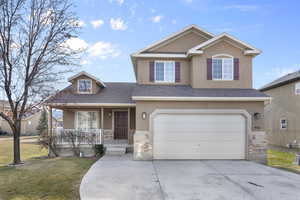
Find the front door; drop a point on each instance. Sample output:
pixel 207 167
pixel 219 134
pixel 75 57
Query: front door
pixel 121 125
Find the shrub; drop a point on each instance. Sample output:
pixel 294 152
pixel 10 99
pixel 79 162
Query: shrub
pixel 3 132
pixel 99 149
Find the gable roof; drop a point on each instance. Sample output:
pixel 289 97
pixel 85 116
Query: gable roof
pixel 83 73
pixel 174 36
pixel 113 93
pixel 289 78
pixel 250 51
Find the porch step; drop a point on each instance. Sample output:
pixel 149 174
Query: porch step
pixel 115 150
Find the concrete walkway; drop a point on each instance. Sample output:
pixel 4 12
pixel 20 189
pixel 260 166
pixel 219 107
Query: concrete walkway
pixel 114 178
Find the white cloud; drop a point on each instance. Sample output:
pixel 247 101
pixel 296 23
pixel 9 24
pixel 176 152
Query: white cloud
pixel 76 44
pixel 242 8
pixel 156 19
pixel 120 2
pixel 118 24
pixel 97 23
pixel 103 50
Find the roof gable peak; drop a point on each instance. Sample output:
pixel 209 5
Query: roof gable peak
pixel 83 73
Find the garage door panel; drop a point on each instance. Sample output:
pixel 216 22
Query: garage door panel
pixel 207 136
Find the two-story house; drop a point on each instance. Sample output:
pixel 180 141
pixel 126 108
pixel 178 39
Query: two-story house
pixel 193 99
pixel 283 113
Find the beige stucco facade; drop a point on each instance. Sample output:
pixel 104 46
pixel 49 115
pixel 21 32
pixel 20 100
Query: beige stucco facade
pixel 193 70
pixel 285 104
pixel 256 143
pixel 182 44
pixel 95 86
pixel 108 119
pixel 199 69
pixel 143 71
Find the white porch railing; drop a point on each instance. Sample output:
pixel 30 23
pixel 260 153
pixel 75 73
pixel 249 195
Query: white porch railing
pixel 78 136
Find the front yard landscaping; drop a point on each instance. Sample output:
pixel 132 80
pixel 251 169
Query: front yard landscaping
pixel 283 160
pixel 40 177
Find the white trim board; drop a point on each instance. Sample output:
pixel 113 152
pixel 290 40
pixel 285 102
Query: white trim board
pixel 154 98
pixel 94 104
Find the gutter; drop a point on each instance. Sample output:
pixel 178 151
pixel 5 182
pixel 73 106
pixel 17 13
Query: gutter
pixel 156 98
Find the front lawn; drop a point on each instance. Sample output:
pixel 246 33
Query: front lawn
pixel 29 149
pixel 40 177
pixel 282 160
pixel 51 179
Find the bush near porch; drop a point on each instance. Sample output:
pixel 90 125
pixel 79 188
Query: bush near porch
pixel 39 178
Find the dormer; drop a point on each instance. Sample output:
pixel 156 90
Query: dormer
pixel 84 83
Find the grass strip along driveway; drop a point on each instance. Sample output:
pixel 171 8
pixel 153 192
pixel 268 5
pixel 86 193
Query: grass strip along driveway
pixel 40 178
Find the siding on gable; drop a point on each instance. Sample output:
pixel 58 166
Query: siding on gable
pixel 95 86
pixel 182 44
pixel 199 68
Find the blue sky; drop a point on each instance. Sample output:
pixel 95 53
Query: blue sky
pixel 113 29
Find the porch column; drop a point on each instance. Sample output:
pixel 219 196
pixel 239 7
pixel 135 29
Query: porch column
pixel 128 135
pixel 102 124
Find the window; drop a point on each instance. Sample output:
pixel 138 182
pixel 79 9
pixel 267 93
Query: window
pixel 86 119
pixel 164 71
pixel 84 86
pixel 283 123
pixel 297 88
pixel 222 69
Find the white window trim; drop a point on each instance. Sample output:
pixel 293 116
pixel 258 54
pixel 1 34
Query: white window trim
pixel 164 61
pixel 298 83
pixel 286 124
pixel 76 117
pixel 223 56
pixel 84 80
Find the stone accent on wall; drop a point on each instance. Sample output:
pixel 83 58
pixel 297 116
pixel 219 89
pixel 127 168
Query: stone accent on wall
pixel 257 146
pixel 142 146
pixel 108 134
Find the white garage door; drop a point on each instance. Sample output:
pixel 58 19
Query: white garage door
pixel 199 136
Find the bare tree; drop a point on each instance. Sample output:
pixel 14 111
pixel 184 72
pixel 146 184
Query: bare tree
pixel 34 54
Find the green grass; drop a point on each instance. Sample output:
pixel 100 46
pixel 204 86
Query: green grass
pixel 282 160
pixel 39 178
pixel 29 149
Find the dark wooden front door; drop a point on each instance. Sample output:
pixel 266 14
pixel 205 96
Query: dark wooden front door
pixel 121 125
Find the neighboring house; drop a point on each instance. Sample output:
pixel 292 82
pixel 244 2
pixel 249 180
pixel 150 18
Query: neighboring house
pixel 283 113
pixel 193 99
pixel 29 123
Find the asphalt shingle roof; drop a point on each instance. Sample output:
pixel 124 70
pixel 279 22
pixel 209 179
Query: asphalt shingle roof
pixel 123 92
pixel 112 93
pixel 282 81
pixel 188 91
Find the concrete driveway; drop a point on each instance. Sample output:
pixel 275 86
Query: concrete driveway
pixel 121 178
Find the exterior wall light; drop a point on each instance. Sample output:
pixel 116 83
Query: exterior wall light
pixel 144 115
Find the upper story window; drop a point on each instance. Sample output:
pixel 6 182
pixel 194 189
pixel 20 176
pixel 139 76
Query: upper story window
pixel 222 67
pixel 297 88
pixel 165 71
pixel 283 123
pixel 85 86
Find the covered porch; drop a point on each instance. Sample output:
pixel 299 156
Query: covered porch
pixel 108 125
